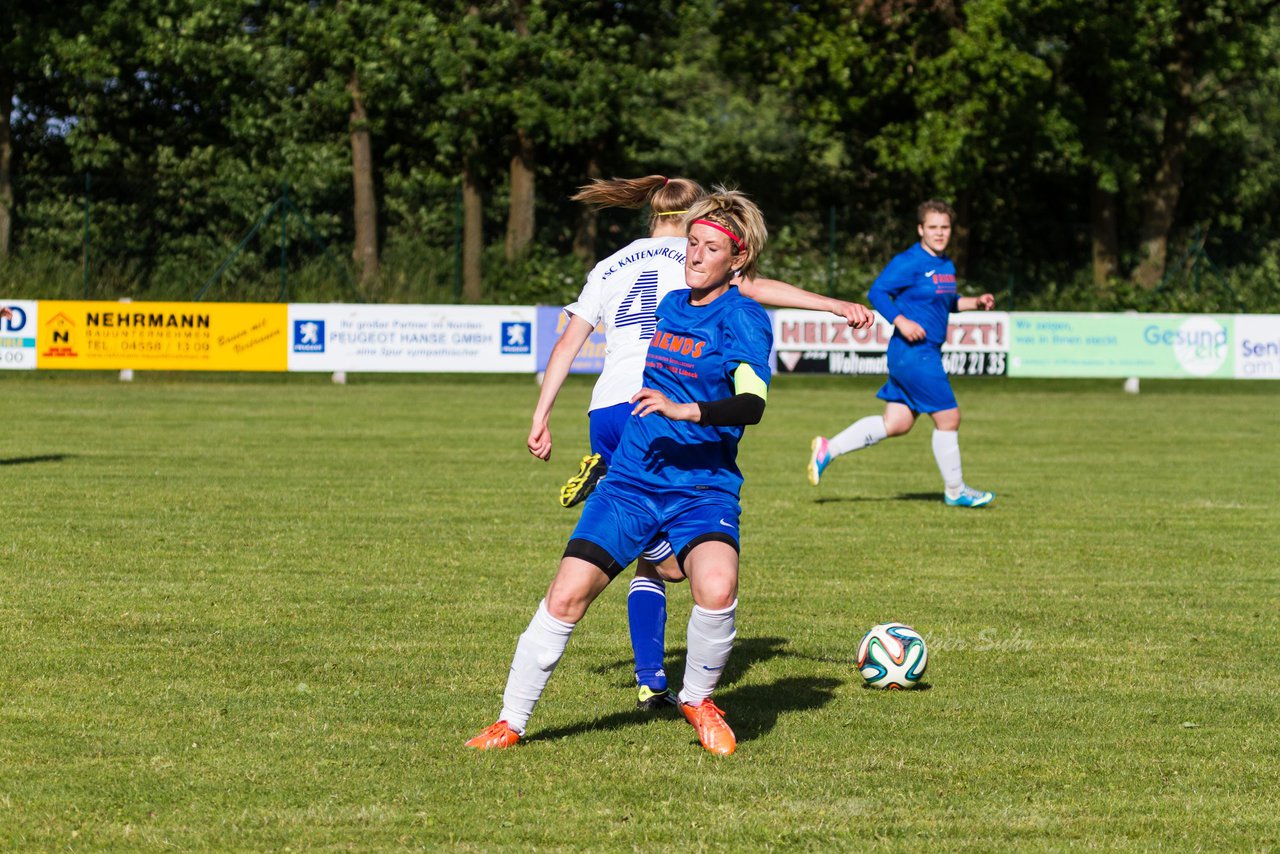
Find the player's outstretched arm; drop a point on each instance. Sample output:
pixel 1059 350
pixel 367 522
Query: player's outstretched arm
pixel 986 302
pixel 558 363
pixel 784 295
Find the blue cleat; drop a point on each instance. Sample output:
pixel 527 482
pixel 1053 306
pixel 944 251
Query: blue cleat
pixel 819 459
pixel 970 498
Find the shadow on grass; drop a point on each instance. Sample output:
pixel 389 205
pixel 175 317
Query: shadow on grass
pixel 752 710
pixel 914 689
pixel 903 496
pixel 746 652
pixel 44 458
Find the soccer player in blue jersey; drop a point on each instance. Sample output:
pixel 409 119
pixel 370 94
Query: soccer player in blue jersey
pixel 674 473
pixel 916 292
pixel 622 294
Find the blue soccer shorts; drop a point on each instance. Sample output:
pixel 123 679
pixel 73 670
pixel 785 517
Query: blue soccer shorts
pixel 606 431
pixel 917 379
pixel 606 428
pixel 619 520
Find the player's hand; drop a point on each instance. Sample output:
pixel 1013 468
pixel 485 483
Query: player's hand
pixel 909 329
pixel 986 302
pixel 648 401
pixel 540 441
pixel 4 312
pixel 857 316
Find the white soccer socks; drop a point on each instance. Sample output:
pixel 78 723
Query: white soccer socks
pixel 710 641
pixel 862 433
pixel 946 450
pixel 537 653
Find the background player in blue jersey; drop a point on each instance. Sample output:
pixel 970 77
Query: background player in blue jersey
pixel 622 294
pixel 916 292
pixel 674 473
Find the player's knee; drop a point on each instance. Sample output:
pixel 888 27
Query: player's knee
pixel 566 605
pixel 897 426
pixel 717 601
pixel 948 420
pixel 716 591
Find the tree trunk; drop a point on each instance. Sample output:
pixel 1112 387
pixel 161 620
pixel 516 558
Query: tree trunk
pixel 1161 199
pixel 1105 237
pixel 584 235
pixel 366 203
pixel 1103 233
pixel 472 205
pixel 520 218
pixel 472 237
pixel 6 165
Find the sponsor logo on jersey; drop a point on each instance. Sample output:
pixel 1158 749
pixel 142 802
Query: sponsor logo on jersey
pixel 682 344
pixel 944 283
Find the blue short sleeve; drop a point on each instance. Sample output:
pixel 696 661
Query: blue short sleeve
pixel 748 339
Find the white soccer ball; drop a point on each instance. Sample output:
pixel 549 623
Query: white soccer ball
pixel 892 655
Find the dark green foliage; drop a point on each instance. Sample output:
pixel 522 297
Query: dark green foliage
pixel 188 117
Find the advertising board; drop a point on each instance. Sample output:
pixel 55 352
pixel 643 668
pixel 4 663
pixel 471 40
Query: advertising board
pixel 1064 344
pixel 160 336
pixel 18 335
pixel 818 342
pixel 409 338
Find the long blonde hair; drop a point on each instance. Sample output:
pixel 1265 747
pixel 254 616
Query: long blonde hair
pixel 736 212
pixel 666 197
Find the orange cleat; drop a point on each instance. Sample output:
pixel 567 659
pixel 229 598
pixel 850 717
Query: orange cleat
pixel 713 732
pixel 497 737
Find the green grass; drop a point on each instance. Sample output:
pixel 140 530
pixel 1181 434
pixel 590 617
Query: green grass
pixel 265 612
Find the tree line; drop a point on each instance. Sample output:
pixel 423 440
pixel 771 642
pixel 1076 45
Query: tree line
pixel 1093 150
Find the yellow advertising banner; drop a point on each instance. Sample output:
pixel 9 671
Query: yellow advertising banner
pixel 162 336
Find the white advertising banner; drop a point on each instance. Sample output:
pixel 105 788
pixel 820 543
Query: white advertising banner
pixel 18 335
pixel 411 338
pixel 1258 346
pixel 818 342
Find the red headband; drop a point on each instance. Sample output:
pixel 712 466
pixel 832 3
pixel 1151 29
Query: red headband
pixel 718 227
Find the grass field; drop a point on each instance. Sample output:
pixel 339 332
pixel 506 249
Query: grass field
pixel 265 612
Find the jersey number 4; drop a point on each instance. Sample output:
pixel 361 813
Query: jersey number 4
pixel 639 305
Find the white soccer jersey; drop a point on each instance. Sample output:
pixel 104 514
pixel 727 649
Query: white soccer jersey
pixel 623 292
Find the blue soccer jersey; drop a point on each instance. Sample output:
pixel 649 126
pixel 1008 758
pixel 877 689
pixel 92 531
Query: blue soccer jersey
pixel 691 358
pixel 921 286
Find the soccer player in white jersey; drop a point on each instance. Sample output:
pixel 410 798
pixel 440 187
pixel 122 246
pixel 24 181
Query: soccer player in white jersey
pixel 622 293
